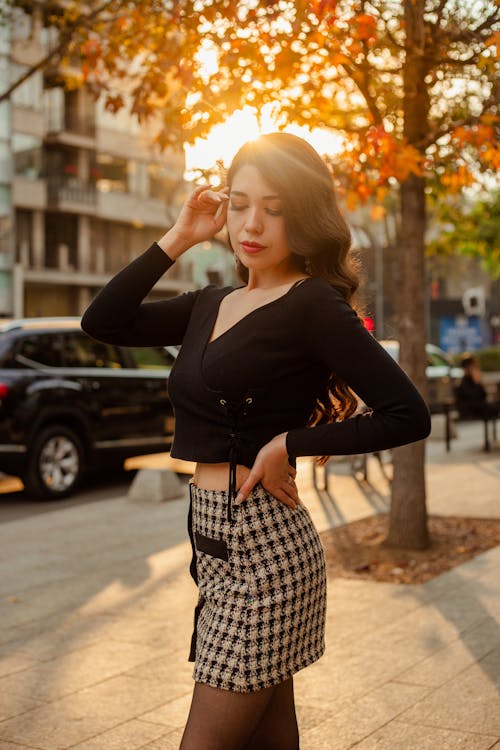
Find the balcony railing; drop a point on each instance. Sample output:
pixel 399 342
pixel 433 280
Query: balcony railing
pixel 60 191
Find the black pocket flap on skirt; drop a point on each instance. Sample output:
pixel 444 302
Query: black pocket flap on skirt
pixel 212 547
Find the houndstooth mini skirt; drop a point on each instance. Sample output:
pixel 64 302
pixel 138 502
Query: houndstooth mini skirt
pixel 262 590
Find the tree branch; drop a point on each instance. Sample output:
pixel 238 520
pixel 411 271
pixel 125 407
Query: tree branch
pixel 439 11
pixel 360 78
pixel 488 22
pixel 471 120
pixel 66 35
pixel 454 61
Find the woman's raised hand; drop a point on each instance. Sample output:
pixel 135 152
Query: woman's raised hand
pixel 202 215
pixel 272 470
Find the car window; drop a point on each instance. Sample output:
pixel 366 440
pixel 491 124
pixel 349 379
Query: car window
pixel 392 349
pixel 81 351
pixel 152 358
pixel 42 348
pixel 436 359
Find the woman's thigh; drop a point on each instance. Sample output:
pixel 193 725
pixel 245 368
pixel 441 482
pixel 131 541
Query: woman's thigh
pixel 223 719
pixel 277 728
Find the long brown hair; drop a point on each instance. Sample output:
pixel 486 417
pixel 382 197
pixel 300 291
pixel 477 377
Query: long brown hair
pixel 317 234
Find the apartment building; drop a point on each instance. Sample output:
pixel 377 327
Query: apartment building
pixel 82 191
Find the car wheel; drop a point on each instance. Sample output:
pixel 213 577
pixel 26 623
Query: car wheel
pixel 55 463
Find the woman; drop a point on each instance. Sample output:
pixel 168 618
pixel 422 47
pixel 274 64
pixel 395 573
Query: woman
pixel 266 373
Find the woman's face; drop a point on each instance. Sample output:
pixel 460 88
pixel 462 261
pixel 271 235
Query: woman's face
pixel 255 222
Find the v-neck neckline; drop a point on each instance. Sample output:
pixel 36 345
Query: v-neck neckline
pixel 249 314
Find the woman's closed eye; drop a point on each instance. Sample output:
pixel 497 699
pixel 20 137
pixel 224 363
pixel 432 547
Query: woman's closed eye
pixel 242 207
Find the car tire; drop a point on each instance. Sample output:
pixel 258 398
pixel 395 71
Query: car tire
pixel 56 463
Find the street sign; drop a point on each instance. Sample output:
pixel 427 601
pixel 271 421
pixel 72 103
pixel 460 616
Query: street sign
pixel 460 334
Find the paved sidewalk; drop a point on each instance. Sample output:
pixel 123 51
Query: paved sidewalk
pixel 96 608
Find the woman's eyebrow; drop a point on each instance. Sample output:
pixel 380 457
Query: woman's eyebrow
pixel 264 197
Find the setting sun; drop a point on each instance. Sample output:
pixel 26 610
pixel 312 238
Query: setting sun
pixel 224 140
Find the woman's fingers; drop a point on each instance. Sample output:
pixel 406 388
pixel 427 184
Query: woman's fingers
pixel 252 479
pixel 204 199
pixel 286 492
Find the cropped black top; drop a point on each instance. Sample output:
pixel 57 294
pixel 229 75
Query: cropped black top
pixel 262 376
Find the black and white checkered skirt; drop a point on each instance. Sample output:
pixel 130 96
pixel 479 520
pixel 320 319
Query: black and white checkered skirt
pixel 262 586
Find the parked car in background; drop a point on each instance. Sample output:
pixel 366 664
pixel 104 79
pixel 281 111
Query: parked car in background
pixel 440 372
pixel 69 403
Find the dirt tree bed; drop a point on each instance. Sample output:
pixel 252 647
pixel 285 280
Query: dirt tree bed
pixel 357 550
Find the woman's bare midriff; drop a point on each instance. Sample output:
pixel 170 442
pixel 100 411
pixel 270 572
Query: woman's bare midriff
pixel 216 476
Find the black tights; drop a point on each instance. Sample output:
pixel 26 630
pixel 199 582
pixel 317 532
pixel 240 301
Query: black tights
pixel 224 720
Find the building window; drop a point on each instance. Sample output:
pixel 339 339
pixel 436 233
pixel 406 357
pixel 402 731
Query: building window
pixel 61 164
pixel 20 25
pixel 53 108
pixel 4 119
pixel 162 182
pixel 29 93
pixel 61 238
pixel 5 162
pixel 24 233
pixel 112 174
pixel 27 152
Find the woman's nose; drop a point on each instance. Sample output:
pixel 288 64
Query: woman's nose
pixel 254 219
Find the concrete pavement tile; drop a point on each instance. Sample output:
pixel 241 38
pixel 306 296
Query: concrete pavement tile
pixel 122 698
pixel 469 702
pixel 360 718
pixel 356 609
pixel 83 715
pixel 473 603
pixel 13 635
pixel 426 629
pixel 173 670
pixel 10 746
pixel 454 497
pixel 58 597
pixel 399 736
pixel 54 640
pixel 309 717
pixel 75 670
pixel 169 741
pixel 131 735
pixel 14 705
pixel 467 572
pixel 53 727
pixel 348 672
pixel 11 663
pixel 172 714
pixel 447 662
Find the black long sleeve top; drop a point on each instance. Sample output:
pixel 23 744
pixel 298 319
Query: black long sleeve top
pixel 261 377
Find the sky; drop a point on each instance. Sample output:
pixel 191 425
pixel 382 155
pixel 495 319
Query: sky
pixel 224 140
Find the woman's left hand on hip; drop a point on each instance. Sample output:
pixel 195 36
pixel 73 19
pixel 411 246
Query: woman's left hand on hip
pixel 272 470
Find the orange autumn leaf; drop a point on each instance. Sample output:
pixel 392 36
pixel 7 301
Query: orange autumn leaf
pixel 494 41
pixel 365 27
pixel 377 212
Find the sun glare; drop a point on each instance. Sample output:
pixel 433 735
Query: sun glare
pixel 224 140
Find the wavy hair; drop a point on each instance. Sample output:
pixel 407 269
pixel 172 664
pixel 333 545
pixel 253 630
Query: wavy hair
pixel 316 232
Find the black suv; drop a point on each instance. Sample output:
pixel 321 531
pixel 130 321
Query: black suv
pixel 69 403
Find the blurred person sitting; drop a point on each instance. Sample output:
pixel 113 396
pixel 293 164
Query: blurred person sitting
pixel 471 395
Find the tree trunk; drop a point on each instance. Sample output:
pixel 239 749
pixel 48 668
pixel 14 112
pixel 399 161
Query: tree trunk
pixel 408 515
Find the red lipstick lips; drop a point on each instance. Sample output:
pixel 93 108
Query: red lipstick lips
pixel 251 247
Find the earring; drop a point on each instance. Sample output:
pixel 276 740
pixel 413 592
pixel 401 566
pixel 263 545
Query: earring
pixel 308 267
